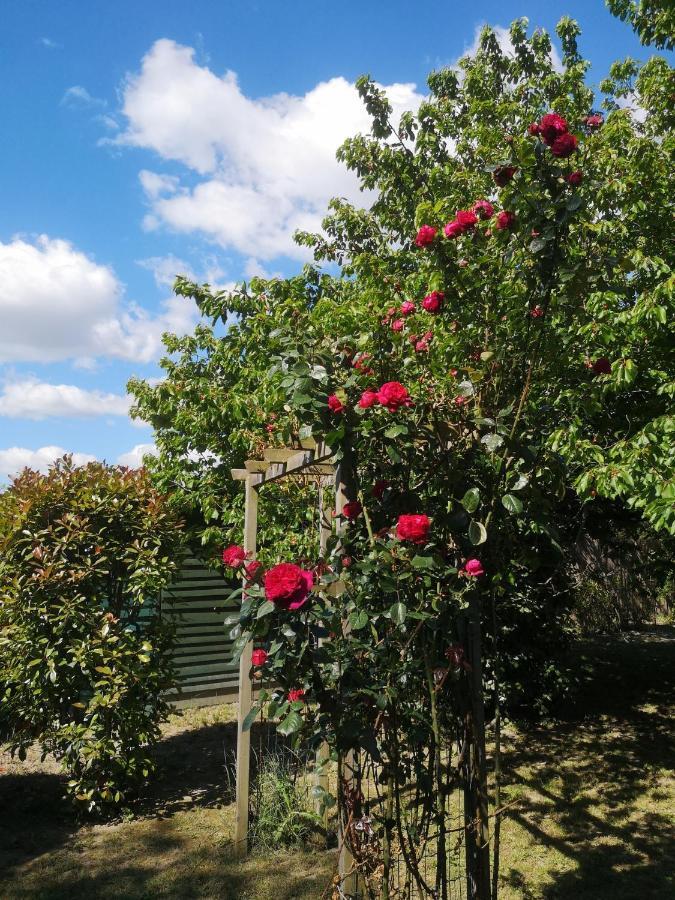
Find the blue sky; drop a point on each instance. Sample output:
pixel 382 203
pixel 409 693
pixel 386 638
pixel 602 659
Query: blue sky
pixel 140 140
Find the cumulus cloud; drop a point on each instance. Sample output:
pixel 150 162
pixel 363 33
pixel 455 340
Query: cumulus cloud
pixel 267 166
pixel 134 458
pixel 56 303
pixel 80 96
pixel 14 459
pixel 33 399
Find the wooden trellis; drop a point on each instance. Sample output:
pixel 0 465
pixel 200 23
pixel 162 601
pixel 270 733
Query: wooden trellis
pixel 310 458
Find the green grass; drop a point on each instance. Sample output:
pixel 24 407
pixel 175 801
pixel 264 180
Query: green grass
pixel 593 819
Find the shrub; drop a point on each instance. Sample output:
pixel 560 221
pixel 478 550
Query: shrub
pixel 84 657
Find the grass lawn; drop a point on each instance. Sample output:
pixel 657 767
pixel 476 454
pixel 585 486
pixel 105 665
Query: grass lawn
pixel 594 818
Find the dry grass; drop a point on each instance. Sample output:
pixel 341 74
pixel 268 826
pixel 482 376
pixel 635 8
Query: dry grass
pixel 594 819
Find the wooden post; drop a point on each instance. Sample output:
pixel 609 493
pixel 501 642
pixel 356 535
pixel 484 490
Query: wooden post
pixel 475 766
pixel 245 690
pixel 325 530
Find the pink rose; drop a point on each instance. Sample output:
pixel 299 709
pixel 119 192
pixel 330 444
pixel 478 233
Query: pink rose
pixel 505 219
pixel 473 568
pixel 575 178
pixel 422 345
pixel 413 528
pixel 288 586
pixel 433 301
pixel 425 236
pixel 552 126
pixel 407 308
pixel 453 229
pixel 368 399
pixel 393 395
pixel 484 209
pixel 259 657
pixel 335 405
pixel 234 556
pixel 397 325
pixel 252 569
pixel 564 146
pixel 594 121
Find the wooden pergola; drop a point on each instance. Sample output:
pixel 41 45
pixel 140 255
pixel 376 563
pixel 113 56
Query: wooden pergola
pixel 310 458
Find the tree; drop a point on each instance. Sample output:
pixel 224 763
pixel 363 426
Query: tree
pixel 653 20
pixel 85 659
pixel 495 352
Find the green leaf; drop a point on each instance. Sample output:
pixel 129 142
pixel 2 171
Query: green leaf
pixel 574 202
pixel 512 504
pixel 398 613
pixel 477 532
pixel 265 609
pixel 537 245
pixel 492 441
pixel 358 620
pixel 251 717
pixel 291 724
pixel 471 500
pixel 422 562
pixel 395 430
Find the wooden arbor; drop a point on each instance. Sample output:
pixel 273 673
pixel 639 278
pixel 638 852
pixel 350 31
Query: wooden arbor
pixel 311 458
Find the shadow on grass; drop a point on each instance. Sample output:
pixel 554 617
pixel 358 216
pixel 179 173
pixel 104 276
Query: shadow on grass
pixel 595 777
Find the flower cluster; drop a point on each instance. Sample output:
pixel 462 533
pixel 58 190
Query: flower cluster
pixel 554 132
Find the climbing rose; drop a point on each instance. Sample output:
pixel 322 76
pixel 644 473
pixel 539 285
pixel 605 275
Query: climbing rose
pixel 453 229
pixel 536 312
pixel 484 209
pixel 296 694
pixel 288 586
pixel 379 488
pixel 466 218
pixel 335 404
pixel 533 129
pixel 505 219
pixel 552 126
pixel 503 174
pixel 564 146
pixel 602 366
pixel 594 121
pixel 394 395
pixel 352 510
pixel 259 657
pixel 234 556
pixel 413 528
pixel 407 307
pixel 575 178
pixel 397 325
pixel 368 399
pixel 425 236
pixel 422 345
pixel 252 569
pixel 432 302
pixel 473 568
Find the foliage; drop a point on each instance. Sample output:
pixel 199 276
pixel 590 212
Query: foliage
pixel 84 657
pixel 653 20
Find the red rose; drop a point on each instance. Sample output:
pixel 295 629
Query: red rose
pixel 259 657
pixel 575 178
pixel 602 366
pixel 368 399
pixel 533 129
pixel 552 126
pixel 432 302
pixel 466 218
pixel 296 694
pixel 564 146
pixel 536 312
pixel 407 308
pixel 397 325
pixel 422 345
pixel 505 220
pixel 503 174
pixel 413 528
pixel 473 568
pixel 234 556
pixel 352 510
pixel 288 586
pixel 379 488
pixel 335 405
pixel 394 395
pixel 453 229
pixel 484 209
pixel 425 236
pixel 594 121
pixel 252 569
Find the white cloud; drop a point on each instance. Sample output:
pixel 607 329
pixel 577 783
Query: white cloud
pixel 268 165
pixel 80 96
pixel 14 459
pixel 56 303
pixel 165 269
pixel 33 399
pixel 50 44
pixel 134 458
